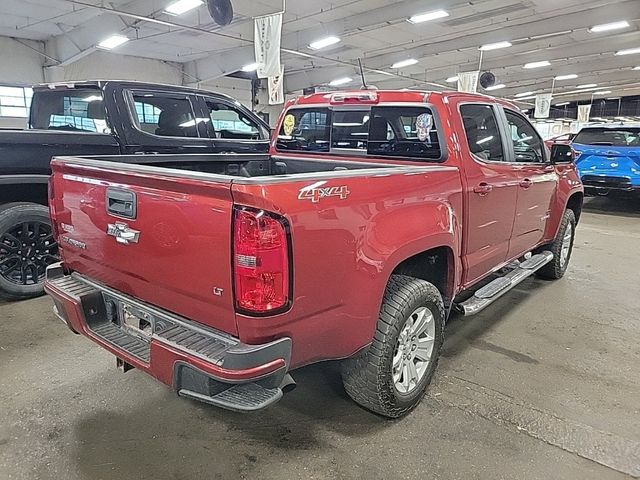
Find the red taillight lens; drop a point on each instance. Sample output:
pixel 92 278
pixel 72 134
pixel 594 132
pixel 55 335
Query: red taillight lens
pixel 52 210
pixel 261 261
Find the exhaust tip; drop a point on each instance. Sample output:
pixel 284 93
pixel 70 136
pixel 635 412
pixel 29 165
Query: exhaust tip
pixel 288 384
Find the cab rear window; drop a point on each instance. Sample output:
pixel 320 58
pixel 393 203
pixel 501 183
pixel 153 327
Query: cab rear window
pixel 393 131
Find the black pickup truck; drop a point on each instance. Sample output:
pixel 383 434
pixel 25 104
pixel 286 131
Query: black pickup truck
pixel 100 118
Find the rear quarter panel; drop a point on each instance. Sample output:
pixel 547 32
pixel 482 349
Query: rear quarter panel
pixel 344 251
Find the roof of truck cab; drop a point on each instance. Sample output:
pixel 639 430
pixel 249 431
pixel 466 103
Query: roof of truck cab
pixel 124 83
pixel 399 96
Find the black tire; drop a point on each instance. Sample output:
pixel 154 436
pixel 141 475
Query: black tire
pixel 556 268
pixel 12 216
pixel 368 377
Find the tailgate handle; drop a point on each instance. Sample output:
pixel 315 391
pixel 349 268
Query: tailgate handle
pixel 121 202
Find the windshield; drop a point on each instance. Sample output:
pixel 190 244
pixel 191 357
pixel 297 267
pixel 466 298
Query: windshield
pixel 616 137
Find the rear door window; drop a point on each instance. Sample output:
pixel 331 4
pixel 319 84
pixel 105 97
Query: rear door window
pixel 165 115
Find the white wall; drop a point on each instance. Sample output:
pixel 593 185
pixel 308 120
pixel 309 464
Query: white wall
pixel 20 64
pixel 13 122
pixel 110 66
pixel 237 88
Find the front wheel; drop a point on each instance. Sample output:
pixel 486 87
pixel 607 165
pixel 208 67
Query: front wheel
pixel 27 247
pixel 392 375
pixel 561 247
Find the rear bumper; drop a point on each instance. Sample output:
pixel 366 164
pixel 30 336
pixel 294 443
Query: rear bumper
pixel 198 362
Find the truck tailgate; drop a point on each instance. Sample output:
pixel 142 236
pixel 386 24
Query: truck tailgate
pixel 163 239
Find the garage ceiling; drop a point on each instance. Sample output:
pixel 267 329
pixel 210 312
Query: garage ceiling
pixel 375 30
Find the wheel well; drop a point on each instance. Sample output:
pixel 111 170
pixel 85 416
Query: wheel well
pixel 575 204
pixel 24 192
pixel 435 266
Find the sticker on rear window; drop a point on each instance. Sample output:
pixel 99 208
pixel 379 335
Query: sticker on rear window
pixel 424 124
pixel 289 124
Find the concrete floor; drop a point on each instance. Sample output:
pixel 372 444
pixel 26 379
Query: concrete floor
pixel 544 384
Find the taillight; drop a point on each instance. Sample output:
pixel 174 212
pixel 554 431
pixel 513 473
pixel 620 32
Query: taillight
pixel 261 261
pixel 52 210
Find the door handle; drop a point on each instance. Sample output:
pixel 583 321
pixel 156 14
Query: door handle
pixel 482 189
pixel 549 168
pixel 526 183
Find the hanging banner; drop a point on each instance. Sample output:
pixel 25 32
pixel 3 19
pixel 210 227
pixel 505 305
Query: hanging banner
pixel 543 105
pixel 468 82
pixel 276 88
pixel 267 35
pixel 583 113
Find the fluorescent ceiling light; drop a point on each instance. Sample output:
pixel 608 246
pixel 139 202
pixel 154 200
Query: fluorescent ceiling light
pixel 570 76
pixel 182 6
pixel 588 85
pixel 425 17
pixel 602 92
pixel 628 51
pixel 341 81
pixel 543 63
pixel 452 79
pixel 496 87
pixel 252 67
pixel 93 98
pixel 561 104
pixel 495 46
pixel 405 63
pixel 605 27
pixel 113 41
pixel 324 42
pixel 524 94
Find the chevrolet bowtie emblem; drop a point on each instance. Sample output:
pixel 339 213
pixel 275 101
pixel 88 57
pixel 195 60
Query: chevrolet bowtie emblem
pixel 123 233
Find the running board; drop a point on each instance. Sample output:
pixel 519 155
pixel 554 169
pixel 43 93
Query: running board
pixel 488 294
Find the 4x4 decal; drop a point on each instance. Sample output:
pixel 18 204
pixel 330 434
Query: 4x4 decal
pixel 316 193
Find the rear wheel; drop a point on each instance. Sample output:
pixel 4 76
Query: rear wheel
pixel 391 376
pixel 561 247
pixel 27 247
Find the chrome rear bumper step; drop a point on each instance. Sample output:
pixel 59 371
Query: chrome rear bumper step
pixel 488 294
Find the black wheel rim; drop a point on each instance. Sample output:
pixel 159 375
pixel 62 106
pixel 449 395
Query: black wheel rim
pixel 25 252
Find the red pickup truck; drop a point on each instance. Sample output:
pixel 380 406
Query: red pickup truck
pixel 375 214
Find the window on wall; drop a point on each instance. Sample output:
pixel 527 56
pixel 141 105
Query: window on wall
pixel 15 101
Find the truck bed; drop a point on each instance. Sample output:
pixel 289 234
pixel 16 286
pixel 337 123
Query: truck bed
pixel 236 165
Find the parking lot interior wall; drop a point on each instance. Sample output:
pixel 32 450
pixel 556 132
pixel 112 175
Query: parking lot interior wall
pixel 21 64
pixel 106 66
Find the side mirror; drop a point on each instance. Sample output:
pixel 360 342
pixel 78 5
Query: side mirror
pixel 561 153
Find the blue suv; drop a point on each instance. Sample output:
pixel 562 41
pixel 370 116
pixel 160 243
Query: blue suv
pixel 608 158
